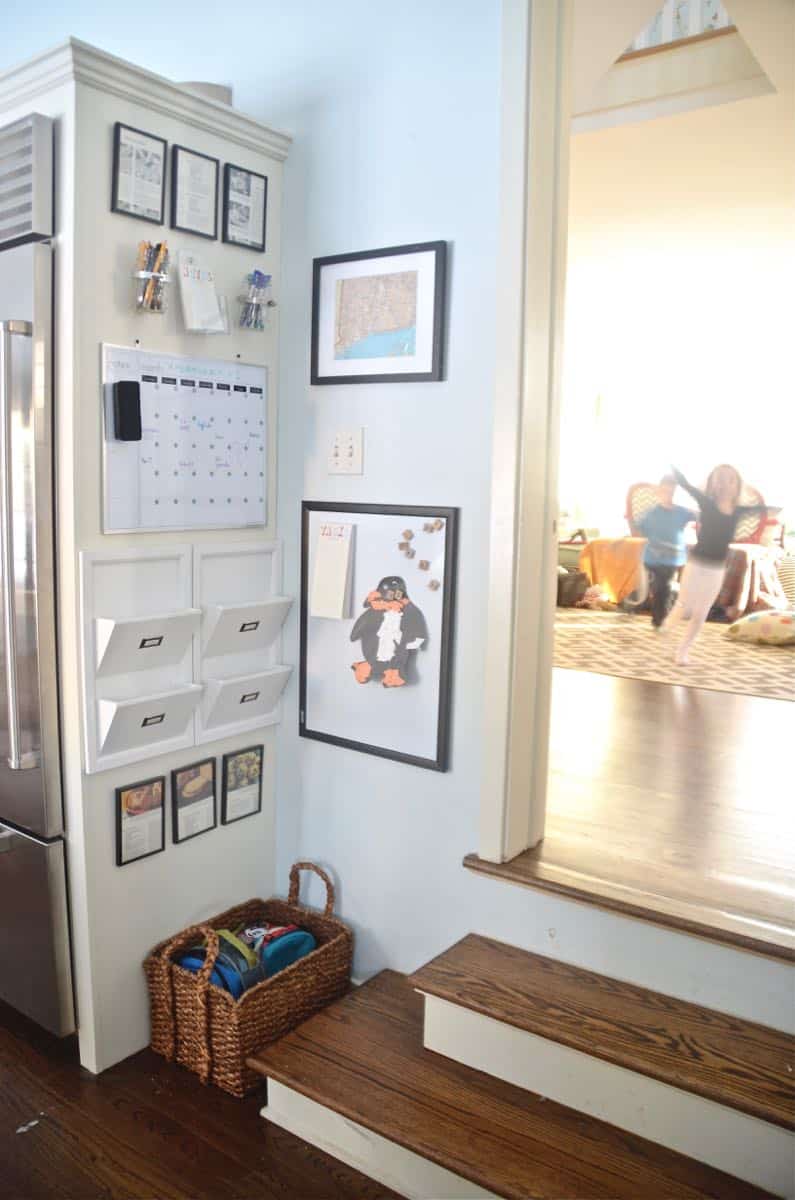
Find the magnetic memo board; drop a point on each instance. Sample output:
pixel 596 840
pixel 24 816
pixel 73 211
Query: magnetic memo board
pixel 202 459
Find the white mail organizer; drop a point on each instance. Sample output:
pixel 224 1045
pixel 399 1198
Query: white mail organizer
pixel 241 703
pixel 139 623
pixel 241 628
pixel 181 645
pixel 147 723
pixel 144 643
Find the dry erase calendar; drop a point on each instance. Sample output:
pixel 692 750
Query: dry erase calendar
pixel 196 454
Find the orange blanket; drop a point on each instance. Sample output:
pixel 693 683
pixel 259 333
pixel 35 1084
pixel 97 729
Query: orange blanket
pixel 614 563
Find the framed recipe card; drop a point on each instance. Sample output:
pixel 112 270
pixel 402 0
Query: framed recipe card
pixel 193 809
pixel 194 192
pixel 245 206
pixel 140 820
pixel 139 174
pixel 242 784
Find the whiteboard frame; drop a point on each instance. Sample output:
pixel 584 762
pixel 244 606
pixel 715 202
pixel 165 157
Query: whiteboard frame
pixel 107 433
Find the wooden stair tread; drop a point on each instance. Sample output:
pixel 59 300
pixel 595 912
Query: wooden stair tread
pixel 363 1058
pixel 737 1063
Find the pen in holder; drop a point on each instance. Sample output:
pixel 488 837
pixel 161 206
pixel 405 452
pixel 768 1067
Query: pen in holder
pixel 255 302
pixel 150 277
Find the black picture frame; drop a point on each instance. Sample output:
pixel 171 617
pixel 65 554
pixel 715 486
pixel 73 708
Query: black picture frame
pixel 257 247
pixel 176 150
pixel 114 194
pixel 259 750
pixel 119 793
pixel 450 516
pixel 175 794
pixel 436 372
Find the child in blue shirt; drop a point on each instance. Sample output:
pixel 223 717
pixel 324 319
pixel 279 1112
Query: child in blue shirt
pixel 664 527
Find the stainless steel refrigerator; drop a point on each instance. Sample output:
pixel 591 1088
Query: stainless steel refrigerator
pixel 35 968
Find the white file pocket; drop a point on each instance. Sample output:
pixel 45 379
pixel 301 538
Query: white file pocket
pixel 240 628
pixel 143 643
pixel 145 722
pixel 234 705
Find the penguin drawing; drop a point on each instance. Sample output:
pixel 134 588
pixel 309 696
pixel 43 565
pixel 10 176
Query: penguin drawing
pixel 390 629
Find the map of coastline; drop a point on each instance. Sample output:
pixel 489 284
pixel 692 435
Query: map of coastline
pixel 376 316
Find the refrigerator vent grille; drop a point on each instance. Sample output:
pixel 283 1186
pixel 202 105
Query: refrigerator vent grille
pixel 26 153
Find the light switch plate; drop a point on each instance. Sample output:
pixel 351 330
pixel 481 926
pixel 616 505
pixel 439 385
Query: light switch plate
pixel 347 453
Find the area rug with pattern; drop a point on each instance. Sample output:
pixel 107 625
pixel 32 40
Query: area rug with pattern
pixel 617 643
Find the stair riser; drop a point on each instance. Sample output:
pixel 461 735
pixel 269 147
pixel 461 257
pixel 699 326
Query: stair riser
pixel 741 1145
pixel 373 1155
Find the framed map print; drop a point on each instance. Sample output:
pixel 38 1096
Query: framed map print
pixel 376 668
pixel 378 316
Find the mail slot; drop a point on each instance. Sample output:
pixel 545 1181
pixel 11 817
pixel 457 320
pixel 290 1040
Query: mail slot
pixel 247 697
pixel 249 626
pixel 157 719
pixel 148 643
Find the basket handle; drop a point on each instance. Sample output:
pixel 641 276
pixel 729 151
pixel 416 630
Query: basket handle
pixel 190 936
pixel 292 895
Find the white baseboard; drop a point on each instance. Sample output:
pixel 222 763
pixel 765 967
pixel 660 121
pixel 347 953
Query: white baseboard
pixel 375 1156
pixel 741 1145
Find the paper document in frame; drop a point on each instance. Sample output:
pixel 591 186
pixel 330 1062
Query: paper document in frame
pixel 332 578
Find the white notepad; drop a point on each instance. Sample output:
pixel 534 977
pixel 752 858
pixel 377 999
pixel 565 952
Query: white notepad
pixel 201 310
pixel 331 582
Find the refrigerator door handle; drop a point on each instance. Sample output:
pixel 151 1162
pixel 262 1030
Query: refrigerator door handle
pixel 7 841
pixel 17 761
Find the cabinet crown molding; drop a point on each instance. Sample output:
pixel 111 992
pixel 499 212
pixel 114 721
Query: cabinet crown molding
pixel 76 62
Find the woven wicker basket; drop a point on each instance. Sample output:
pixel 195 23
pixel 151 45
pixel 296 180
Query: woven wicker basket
pixel 211 1033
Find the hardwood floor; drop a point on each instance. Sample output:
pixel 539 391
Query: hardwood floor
pixel 671 803
pixel 145 1130
pixel 737 1063
pixel 363 1058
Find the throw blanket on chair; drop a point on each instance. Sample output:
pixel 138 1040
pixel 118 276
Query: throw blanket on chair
pixel 614 563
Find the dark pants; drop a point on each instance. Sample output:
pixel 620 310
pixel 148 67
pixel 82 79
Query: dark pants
pixel 661 597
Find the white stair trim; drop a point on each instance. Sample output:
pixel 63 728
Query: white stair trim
pixel 375 1156
pixel 731 1141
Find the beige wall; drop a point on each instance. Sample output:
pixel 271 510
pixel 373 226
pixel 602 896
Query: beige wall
pixel 679 303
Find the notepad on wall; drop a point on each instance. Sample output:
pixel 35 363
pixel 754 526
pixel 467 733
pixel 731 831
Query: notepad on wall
pixel 201 309
pixel 331 581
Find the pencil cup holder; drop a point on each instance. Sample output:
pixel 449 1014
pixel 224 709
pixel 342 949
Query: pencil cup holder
pixel 151 291
pixel 256 302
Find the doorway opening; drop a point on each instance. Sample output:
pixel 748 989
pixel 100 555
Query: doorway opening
pixel 667 793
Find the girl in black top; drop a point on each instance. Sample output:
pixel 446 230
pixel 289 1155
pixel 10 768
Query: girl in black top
pixel 703 574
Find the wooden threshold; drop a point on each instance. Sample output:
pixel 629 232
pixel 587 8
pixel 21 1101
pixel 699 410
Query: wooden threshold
pixel 736 1063
pixel 363 1058
pixel 730 929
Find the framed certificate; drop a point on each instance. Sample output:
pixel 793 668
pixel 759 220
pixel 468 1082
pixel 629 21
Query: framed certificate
pixel 139 174
pixel 140 820
pixel 193 808
pixel 194 192
pixel 242 784
pixel 245 207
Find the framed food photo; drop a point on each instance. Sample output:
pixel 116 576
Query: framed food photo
pixel 193 805
pixel 140 820
pixel 245 207
pixel 194 192
pixel 242 784
pixel 377 610
pixel 139 174
pixel 378 315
